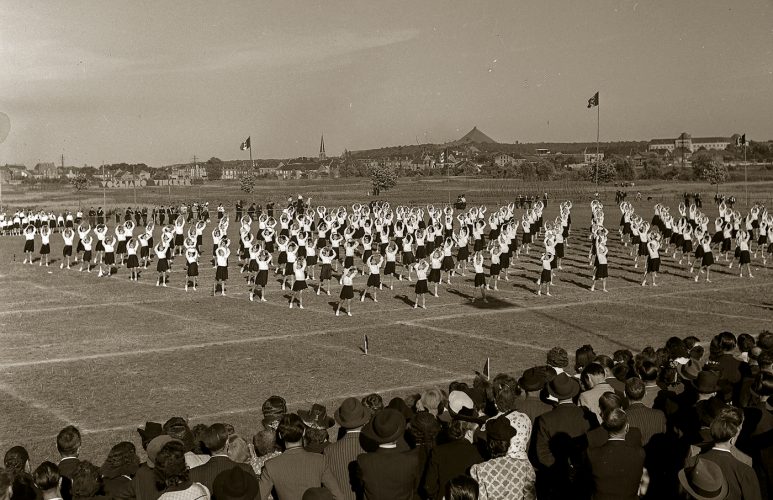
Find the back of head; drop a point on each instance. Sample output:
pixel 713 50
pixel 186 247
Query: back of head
pixel 507 398
pixel 374 402
pixel 16 460
pixel 462 488
pixel 745 342
pixel 591 374
pixel 238 449
pixel 634 389
pixel 610 401
pixel 723 429
pixel 68 441
pixel 615 421
pixel 170 468
pixel 606 362
pixel 648 371
pixel 583 357
pixel 727 341
pixel 46 476
pixel 264 442
pixel 763 384
pixel 291 428
pixel 215 438
pixel 86 480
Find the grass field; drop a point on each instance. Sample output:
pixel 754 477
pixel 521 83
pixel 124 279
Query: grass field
pixel 109 354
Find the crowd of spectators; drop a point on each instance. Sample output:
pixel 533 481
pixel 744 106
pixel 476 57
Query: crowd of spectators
pixel 681 421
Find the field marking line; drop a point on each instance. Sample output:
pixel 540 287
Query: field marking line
pixel 51 411
pixel 258 409
pixel 474 336
pixel 688 311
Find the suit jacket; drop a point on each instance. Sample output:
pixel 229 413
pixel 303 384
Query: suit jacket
pixel 648 420
pixel 142 486
pixel 532 406
pixel 560 433
pixel 616 469
pixel 590 398
pixel 389 474
pixel 206 473
pixel 650 394
pixel 741 480
pixel 341 459
pixel 295 471
pixel 67 466
pixel 448 461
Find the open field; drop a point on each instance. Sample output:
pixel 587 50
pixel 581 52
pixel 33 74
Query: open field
pixel 109 354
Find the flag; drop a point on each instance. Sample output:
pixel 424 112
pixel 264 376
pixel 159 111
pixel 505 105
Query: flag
pixel 741 141
pixel 593 101
pixel 245 144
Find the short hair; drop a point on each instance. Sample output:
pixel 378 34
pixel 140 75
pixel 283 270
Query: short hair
pixel 238 450
pixel 198 431
pixel 68 441
pixel 732 413
pixel 583 356
pixel 506 399
pixel 46 476
pixel 723 428
pixel 497 447
pixel 16 459
pixel 316 436
pixel 745 342
pixel 458 428
pixel 615 420
pixel 609 401
pixel 86 480
pixel 374 402
pixel 635 389
pixel 430 400
pixel 621 372
pixel 291 428
pixel 592 370
pixel 648 371
pixel 170 468
pixel 215 437
pixel 676 348
pixel 605 361
pixel 765 339
pixel 690 341
pixel 462 487
pixel 264 442
pixel 727 341
pixel 763 384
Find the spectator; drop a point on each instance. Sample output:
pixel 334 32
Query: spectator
pixel 557 359
pixel 235 484
pixel 609 366
pixel 48 481
pixel 317 424
pixel 295 470
pixel 594 380
pixel 648 371
pixel 504 475
pixel 238 449
pixel 462 488
pixel 68 443
pixel 177 428
pixel 598 436
pixel 387 472
pixel 17 466
pixel 583 357
pixel 341 456
pixel 505 404
pixel 616 468
pixel 455 457
pixel 373 402
pixel 273 409
pixel 703 480
pixel 87 482
pixel 6 485
pixel 266 448
pixel 532 382
pixel 173 478
pixel 648 420
pixel 431 400
pixel 215 440
pixel 118 470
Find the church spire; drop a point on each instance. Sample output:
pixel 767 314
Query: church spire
pixel 322 154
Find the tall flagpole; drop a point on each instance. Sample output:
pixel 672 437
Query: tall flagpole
pixel 252 164
pixel 598 128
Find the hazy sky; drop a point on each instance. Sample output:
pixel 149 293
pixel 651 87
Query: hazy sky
pixel 160 81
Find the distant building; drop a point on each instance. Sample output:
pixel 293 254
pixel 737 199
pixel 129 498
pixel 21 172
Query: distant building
pixel 592 157
pixel 690 143
pixel 542 151
pixel 46 170
pixel 502 160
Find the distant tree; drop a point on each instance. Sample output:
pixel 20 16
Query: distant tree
pixel 714 172
pixel 602 172
pixel 382 179
pixel 544 170
pixel 653 168
pixel 624 168
pixel 80 183
pixel 214 171
pixel 247 182
pixel 528 171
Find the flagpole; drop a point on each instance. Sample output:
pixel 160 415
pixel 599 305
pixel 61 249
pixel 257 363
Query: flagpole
pixel 598 128
pixel 745 174
pixel 252 164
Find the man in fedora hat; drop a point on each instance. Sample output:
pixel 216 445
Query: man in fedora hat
pixel 702 479
pixel 387 472
pixel 235 484
pixel 341 456
pixel 317 423
pixel 295 470
pixel 532 382
pixel 559 441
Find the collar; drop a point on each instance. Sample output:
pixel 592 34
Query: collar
pixel 221 455
pixel 67 458
pixel 388 446
pixel 721 449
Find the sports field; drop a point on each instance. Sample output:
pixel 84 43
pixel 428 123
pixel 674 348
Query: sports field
pixel 107 354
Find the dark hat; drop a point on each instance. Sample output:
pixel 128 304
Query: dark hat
pixel 478 396
pixel 558 357
pixel 352 414
pixel 424 426
pixel 500 429
pixel 563 387
pixel 175 422
pixel 401 406
pixel 706 382
pixel 151 430
pixel 155 446
pixel 317 417
pixel 273 409
pixel 689 370
pixel 533 379
pixel 386 426
pixel 235 484
pixel 318 493
pixel 703 480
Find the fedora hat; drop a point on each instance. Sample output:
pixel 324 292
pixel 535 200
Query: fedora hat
pixel 500 429
pixel 235 484
pixel 704 480
pixel 689 370
pixel 563 387
pixel 387 426
pixel 533 379
pixel 317 417
pixel 352 414
pixel 706 382
pixel 401 406
pixel 151 430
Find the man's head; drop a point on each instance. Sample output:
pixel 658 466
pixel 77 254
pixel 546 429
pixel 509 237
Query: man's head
pixel 215 439
pixel 68 441
pixel 17 460
pixel 592 375
pixel 634 389
pixel 47 477
pixel 616 422
pixel 291 429
pixel 648 371
pixel 607 363
pixel 727 342
pixel 583 357
pixel 723 429
pixel 264 442
pixel 86 480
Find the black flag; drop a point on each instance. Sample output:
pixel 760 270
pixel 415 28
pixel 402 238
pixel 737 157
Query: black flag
pixel 245 144
pixel 741 141
pixel 593 101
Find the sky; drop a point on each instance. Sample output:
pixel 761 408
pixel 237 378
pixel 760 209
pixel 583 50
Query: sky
pixel 158 82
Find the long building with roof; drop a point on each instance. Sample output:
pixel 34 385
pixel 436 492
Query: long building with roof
pixel 691 144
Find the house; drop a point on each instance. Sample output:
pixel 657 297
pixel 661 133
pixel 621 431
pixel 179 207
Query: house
pixel 502 160
pixel 691 144
pixel 46 170
pixel 589 158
